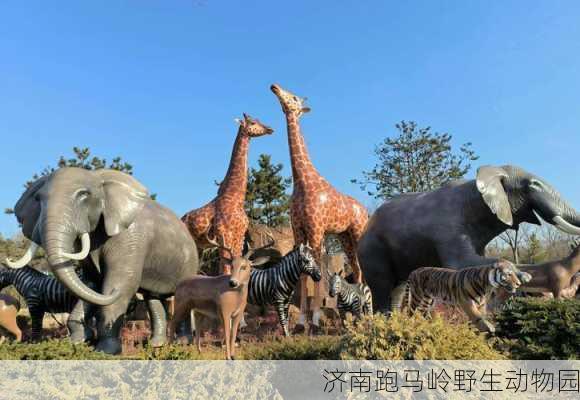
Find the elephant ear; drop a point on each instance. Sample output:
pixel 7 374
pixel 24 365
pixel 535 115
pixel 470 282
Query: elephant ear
pixel 124 199
pixel 489 184
pixel 27 208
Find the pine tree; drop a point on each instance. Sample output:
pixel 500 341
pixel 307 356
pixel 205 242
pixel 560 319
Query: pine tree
pixel 417 160
pixel 266 199
pixel 81 159
pixel 534 249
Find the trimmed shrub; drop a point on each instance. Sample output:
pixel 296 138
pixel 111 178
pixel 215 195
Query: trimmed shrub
pixel 401 337
pixel 50 350
pixel 540 329
pixel 294 348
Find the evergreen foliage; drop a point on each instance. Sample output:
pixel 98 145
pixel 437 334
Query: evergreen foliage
pixel 266 199
pixel 417 160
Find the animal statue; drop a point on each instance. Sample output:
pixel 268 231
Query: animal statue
pixel 353 298
pixel 124 241
pixel 276 284
pixel 317 208
pixel 9 307
pixel 467 288
pixel 224 217
pixel 222 297
pixel 44 293
pixel 452 225
pixel 555 277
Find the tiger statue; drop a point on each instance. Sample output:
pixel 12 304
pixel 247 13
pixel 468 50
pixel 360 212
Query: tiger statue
pixel 468 288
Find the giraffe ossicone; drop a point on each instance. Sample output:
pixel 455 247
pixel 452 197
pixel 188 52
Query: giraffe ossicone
pixel 224 217
pixel 317 208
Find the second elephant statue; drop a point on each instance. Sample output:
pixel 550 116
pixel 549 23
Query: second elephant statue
pixel 124 240
pixel 450 226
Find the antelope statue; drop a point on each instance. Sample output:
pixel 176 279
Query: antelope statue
pixel 221 297
pixel 559 278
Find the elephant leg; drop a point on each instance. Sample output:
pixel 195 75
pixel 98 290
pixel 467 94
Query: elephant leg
pixel 79 331
pixel 157 315
pixel 123 274
pixel 36 317
pixel 109 326
pixel 379 273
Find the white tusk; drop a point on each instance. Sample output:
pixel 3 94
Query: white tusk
pixel 86 248
pixel 25 259
pixel 565 226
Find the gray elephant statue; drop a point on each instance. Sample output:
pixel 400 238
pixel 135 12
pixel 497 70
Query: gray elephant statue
pixel 450 226
pixel 123 240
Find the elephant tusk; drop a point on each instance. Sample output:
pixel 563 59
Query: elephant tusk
pixel 86 248
pixel 25 259
pixel 565 226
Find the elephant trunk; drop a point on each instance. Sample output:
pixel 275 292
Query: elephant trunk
pixel 67 275
pixel 59 239
pixel 568 219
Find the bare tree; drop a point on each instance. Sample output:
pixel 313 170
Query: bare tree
pixel 514 238
pixel 555 242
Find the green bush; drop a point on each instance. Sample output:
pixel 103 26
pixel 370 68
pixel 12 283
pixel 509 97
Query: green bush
pixel 402 337
pixel 274 348
pixel 540 329
pixel 49 350
pixel 294 348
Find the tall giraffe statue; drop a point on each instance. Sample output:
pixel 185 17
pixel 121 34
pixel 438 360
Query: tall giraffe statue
pixel 224 218
pixel 316 207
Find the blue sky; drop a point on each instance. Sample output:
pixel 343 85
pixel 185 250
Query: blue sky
pixel 160 83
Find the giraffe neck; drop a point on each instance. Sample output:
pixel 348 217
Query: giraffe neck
pixel 236 178
pixel 302 167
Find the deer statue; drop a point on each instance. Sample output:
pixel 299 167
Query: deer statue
pixel 221 297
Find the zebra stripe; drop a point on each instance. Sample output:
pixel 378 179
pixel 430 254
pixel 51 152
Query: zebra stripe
pixel 43 293
pixel 351 298
pixel 275 285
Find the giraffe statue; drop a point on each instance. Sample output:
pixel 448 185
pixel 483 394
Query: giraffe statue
pixel 316 207
pixel 224 218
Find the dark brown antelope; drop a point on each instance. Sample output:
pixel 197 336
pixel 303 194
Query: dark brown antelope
pixel 221 297
pixel 556 277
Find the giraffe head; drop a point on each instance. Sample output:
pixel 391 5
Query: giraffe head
pixel 291 104
pixel 252 127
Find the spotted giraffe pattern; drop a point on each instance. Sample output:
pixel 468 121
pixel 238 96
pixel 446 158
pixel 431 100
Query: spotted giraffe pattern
pixel 224 217
pixel 316 207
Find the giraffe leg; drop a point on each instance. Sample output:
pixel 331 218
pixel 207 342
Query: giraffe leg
pixel 355 232
pixel 300 238
pixel 349 248
pixel 316 243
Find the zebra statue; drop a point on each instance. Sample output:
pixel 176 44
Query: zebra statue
pixel 44 293
pixel 354 298
pixel 276 285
